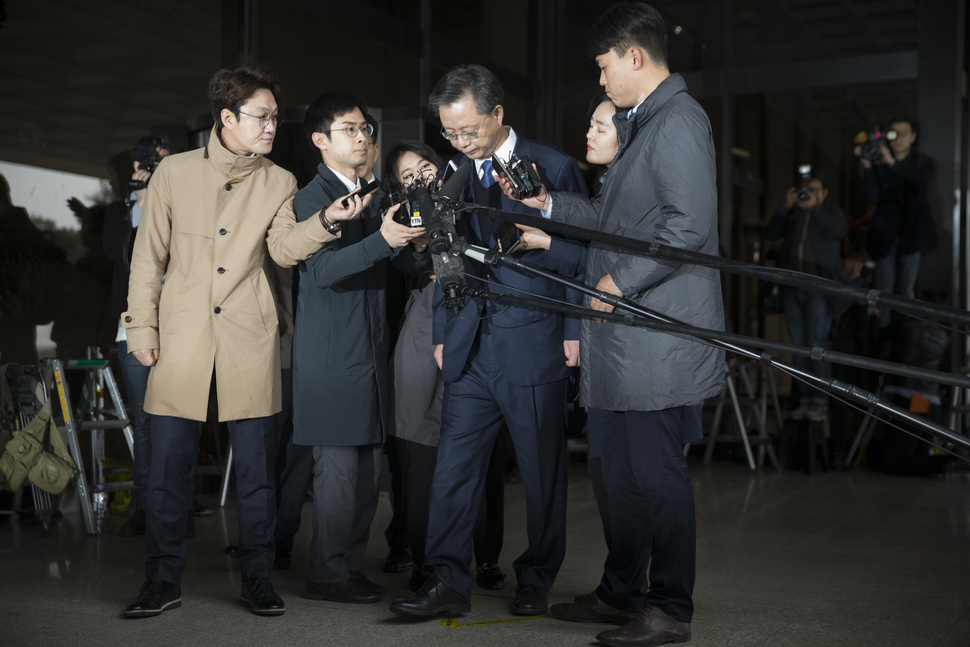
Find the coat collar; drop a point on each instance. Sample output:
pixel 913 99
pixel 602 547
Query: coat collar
pixel 626 124
pixel 233 166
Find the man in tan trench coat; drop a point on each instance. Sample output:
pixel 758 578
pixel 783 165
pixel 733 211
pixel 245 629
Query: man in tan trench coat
pixel 210 217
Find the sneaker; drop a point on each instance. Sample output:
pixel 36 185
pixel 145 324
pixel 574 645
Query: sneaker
pixel 155 597
pixel 800 413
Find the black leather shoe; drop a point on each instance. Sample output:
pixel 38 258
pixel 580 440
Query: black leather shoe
pixel 398 560
pixel 650 627
pixel 364 584
pixel 589 608
pixel 491 577
pixel 351 591
pixel 155 596
pixel 258 595
pixel 433 598
pixel 529 601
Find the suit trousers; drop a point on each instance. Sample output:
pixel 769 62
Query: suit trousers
pixel 171 485
pixel 294 466
pixel 418 467
pixel 651 508
pixel 346 484
pixel 471 418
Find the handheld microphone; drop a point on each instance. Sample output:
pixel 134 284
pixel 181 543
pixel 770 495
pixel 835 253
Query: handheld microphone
pixel 451 190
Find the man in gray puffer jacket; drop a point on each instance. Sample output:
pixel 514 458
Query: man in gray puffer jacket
pixel 644 389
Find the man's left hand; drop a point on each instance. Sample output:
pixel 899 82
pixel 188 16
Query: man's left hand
pixel 571 348
pixel 605 284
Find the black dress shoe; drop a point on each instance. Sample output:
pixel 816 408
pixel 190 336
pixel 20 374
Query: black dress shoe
pixel 364 584
pixel 398 560
pixel 258 595
pixel 491 577
pixel 589 608
pixel 155 596
pixel 351 591
pixel 433 598
pixel 650 627
pixel 529 601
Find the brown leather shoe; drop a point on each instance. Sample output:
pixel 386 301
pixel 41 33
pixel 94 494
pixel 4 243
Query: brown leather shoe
pixel 650 627
pixel 589 608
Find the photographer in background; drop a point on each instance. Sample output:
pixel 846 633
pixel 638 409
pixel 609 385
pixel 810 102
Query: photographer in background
pixel 118 239
pixel 901 227
pixel 812 233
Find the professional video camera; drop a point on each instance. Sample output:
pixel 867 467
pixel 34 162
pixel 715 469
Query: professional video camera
pixel 525 181
pixel 804 178
pixel 872 141
pixel 147 155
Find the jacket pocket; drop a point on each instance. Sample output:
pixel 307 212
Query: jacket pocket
pixel 265 302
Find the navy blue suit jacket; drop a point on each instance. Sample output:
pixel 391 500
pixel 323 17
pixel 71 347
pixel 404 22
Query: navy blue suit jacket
pixel 528 342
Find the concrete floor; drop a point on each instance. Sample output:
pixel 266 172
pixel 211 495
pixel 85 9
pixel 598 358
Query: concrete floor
pixel 845 558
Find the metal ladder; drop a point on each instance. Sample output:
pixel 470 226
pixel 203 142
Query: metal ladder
pixel 95 415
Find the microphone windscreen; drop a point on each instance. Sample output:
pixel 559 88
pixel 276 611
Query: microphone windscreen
pixel 452 187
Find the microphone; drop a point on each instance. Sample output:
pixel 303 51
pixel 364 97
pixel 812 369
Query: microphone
pixel 451 190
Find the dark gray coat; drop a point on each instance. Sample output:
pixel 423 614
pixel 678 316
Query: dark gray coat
pixel 341 381
pixel 660 188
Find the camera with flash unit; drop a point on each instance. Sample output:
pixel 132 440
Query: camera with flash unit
pixel 524 179
pixel 804 191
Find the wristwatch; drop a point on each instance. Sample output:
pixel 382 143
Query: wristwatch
pixel 332 227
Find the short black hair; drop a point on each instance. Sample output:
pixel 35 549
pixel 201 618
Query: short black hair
pixel 913 123
pixel 821 177
pixel 148 146
pixel 484 87
pixel 626 25
pixel 327 107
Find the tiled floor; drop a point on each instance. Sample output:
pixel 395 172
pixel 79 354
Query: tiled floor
pixel 846 558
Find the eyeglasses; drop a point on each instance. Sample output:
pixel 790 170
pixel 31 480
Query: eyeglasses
pixel 353 129
pixel 277 119
pixel 466 136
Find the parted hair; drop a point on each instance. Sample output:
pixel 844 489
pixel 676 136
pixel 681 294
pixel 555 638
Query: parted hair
pixel 327 107
pixel 231 87
pixel 484 87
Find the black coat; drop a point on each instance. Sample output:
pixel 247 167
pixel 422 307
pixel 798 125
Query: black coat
pixel 902 209
pixel 341 382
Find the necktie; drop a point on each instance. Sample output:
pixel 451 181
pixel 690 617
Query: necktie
pixel 487 178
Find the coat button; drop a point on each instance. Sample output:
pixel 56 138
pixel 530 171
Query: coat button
pixel 228 186
pixel 221 270
pixel 127 319
pixel 217 310
pixel 223 232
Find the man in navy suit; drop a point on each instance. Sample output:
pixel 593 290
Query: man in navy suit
pixel 498 363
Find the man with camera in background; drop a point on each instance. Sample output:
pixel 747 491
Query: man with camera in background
pixel 812 234
pixel 498 364
pixel 121 221
pixel 896 179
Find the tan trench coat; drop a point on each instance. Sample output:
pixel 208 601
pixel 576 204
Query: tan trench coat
pixel 210 217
